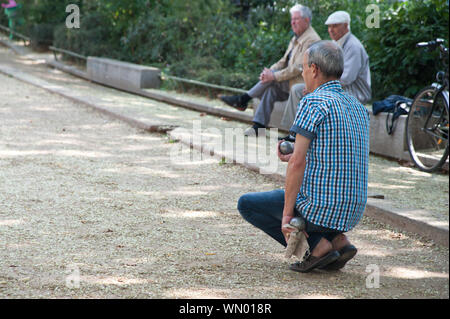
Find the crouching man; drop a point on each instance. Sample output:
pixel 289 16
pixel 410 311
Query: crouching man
pixel 326 177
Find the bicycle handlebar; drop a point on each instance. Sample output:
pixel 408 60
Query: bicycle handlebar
pixel 433 43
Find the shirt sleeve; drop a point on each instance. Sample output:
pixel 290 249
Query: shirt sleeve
pixel 308 119
pixel 352 65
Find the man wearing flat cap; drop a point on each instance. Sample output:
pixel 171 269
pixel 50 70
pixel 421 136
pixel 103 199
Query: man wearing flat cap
pixel 356 77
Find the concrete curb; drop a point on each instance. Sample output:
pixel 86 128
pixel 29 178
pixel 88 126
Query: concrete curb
pixel 12 46
pixel 414 221
pixel 150 127
pixel 68 69
pixel 239 116
pixel 377 209
pixel 232 114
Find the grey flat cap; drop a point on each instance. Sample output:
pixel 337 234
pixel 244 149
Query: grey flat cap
pixel 338 17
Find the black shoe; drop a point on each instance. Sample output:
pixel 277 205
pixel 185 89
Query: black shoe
pixel 347 253
pixel 312 262
pixel 234 101
pixel 288 138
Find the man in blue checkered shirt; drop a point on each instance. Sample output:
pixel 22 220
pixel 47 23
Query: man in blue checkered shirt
pixel 326 177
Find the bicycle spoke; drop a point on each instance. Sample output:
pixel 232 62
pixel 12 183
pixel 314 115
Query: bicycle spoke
pixel 427 130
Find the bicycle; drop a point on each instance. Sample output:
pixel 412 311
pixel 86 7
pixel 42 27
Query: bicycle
pixel 427 123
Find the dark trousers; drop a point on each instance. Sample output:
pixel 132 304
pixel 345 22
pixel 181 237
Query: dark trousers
pixel 264 210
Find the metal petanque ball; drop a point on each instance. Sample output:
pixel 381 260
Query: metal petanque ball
pixel 298 223
pixel 286 147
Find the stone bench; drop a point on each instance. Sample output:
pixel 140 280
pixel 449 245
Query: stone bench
pixel 122 75
pixel 277 114
pixel 381 143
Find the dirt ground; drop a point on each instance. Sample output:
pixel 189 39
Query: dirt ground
pixel 93 208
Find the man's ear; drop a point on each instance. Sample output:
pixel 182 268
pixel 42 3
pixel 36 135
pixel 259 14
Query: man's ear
pixel 315 70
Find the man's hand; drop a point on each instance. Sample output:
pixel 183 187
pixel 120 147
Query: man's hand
pixel 266 76
pixel 282 157
pixel 286 231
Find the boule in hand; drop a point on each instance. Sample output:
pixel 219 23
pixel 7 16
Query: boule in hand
pixel 286 147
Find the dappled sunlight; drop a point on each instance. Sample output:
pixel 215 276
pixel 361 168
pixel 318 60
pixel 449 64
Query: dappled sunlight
pixel 144 171
pixel 142 137
pixel 412 273
pixel 44 108
pixel 113 280
pixel 202 189
pixel 60 141
pixel 16 153
pixel 166 116
pixel 190 214
pixel 196 163
pixel 77 153
pixel 133 148
pixel 32 62
pixel 140 220
pixel 318 296
pixel 388 186
pixel 11 222
pixel 197 293
pixel 374 252
pixel 172 194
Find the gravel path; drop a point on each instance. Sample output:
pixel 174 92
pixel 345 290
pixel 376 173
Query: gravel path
pixel 403 187
pixel 92 208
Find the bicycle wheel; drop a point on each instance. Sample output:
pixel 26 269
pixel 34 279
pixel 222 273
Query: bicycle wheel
pixel 427 130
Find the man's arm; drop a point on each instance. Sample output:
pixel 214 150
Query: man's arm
pixel 295 67
pixel 352 65
pixel 281 64
pixel 294 178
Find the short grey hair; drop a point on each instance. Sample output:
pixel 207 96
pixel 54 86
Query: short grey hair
pixel 305 12
pixel 328 57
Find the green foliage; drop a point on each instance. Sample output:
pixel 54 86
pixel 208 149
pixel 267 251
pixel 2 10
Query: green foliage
pixel 3 18
pixel 397 66
pixel 90 40
pixel 228 42
pixel 41 36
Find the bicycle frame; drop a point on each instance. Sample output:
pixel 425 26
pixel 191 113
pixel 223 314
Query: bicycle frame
pixel 432 117
pixel 439 89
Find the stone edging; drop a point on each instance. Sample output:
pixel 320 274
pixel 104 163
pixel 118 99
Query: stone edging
pixel 374 209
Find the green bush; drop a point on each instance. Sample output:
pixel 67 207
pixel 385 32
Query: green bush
pixel 228 42
pixel 41 36
pixel 3 18
pixel 397 66
pixel 90 40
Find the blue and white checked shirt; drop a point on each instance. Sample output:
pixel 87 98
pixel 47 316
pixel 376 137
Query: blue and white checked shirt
pixel 334 189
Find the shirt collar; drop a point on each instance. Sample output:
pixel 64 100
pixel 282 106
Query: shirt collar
pixel 333 85
pixel 342 40
pixel 301 36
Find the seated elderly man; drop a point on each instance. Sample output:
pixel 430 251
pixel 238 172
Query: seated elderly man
pixel 326 177
pixel 356 76
pixel 274 83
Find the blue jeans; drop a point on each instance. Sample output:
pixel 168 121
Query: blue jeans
pixel 264 210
